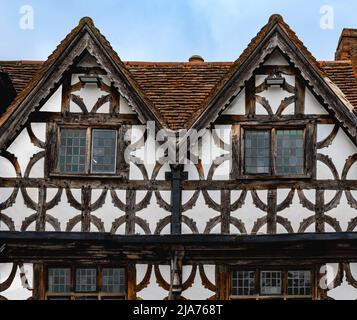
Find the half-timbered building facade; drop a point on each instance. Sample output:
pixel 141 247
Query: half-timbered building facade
pixel 195 180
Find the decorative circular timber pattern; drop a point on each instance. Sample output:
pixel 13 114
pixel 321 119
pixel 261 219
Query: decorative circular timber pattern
pixel 337 197
pixel 349 163
pixel 101 102
pixel 285 104
pixel 264 220
pixel 212 223
pixel 13 160
pixel 34 140
pixel 7 283
pixel 10 201
pixel 166 286
pixel 49 219
pixel 78 219
pixel 143 224
pixel 265 104
pixel 326 219
pixel 79 102
pixel 185 220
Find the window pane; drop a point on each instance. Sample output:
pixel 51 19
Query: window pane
pixel 104 151
pixel 86 280
pixel 113 280
pixel 257 151
pixel 299 283
pixel 290 152
pixel 72 154
pixel 271 282
pixel 243 283
pixel 59 280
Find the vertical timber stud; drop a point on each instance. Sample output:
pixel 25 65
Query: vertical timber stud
pixel 225 211
pixel 86 210
pixel 176 274
pixel 250 96
pixel 41 210
pixel 176 176
pixel 66 93
pixel 222 282
pixel 39 282
pixel 272 212
pixel 319 211
pixel 130 212
pixel 300 95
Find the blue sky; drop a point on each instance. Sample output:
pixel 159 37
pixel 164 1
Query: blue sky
pixel 170 30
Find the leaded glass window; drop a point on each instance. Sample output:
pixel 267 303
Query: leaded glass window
pixel 104 151
pixel 86 280
pixel 113 280
pixel 257 151
pixel 290 152
pixel 72 153
pixel 271 283
pixel 59 280
pixel 299 283
pixel 243 283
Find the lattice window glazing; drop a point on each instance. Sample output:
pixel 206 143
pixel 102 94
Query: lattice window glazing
pixel 59 280
pixel 72 154
pixel 86 280
pixel 104 151
pixel 290 152
pixel 299 283
pixel 243 283
pixel 113 280
pixel 271 283
pixel 257 151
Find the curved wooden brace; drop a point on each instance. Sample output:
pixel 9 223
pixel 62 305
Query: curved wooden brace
pixel 312 219
pixel 265 104
pixel 143 224
pixel 338 279
pixel 35 158
pixel 279 219
pixel 8 282
pixel 116 201
pixel 13 160
pixel 34 140
pixel 329 139
pixel 55 201
pixel 206 283
pixel 238 224
pixel 219 142
pixel 79 102
pixel 190 280
pixel 145 202
pixel 257 202
pixel 99 224
pixel 349 163
pixel 284 104
pixel 349 276
pixel 73 222
pixel 28 201
pixel 77 86
pixel 117 223
pixel 10 201
pixel 100 202
pixel 49 219
pixel 261 88
pixel 102 86
pixel 160 279
pixel 100 102
pixel 287 202
pixel 304 201
pixel 7 221
pixel 211 224
pixel 72 200
pixel 146 280
pixel 240 202
pixel 352 225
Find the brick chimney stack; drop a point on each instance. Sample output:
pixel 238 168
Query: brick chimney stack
pixel 347 47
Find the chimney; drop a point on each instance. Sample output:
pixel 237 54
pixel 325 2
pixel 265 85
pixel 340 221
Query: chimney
pixel 347 47
pixel 196 59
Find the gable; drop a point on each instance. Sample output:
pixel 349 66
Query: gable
pixel 277 35
pixel 83 39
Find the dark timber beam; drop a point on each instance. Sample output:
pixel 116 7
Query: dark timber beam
pixel 48 247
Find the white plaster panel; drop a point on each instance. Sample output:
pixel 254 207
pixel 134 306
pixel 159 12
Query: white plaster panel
pixel 237 106
pixel 276 59
pixel 197 291
pixel 312 106
pixel 153 291
pixel 54 103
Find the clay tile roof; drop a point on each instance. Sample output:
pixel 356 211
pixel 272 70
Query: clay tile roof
pixel 20 72
pixel 178 89
pixel 342 74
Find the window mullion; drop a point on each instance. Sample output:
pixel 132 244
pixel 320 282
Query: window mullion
pixel 273 151
pixel 89 151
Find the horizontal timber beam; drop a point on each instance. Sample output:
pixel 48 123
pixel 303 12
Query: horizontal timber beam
pixel 44 247
pixel 122 184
